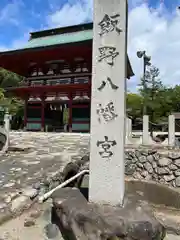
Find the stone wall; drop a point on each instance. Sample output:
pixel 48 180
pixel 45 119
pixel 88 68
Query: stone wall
pixel 160 165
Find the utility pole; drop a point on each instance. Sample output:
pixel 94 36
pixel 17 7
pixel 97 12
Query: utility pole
pixel 146 62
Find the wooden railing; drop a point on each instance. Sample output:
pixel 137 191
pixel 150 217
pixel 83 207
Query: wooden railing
pixel 78 78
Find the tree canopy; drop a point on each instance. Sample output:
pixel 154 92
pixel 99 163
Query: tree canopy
pixel 9 79
pixel 160 100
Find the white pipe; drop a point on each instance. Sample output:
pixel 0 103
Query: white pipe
pixel 48 194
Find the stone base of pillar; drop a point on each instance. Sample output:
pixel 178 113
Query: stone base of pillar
pixel 78 219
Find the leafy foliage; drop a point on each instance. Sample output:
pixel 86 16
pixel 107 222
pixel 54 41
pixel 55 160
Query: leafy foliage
pixel 9 79
pixel 160 100
pixel 134 103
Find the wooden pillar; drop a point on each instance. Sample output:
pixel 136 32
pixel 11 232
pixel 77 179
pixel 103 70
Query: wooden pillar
pixel 42 113
pixel 25 111
pixel 70 112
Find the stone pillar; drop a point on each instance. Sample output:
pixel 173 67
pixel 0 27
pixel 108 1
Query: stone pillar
pixel 128 127
pixel 108 110
pixel 7 122
pixel 145 138
pixel 7 126
pixel 171 130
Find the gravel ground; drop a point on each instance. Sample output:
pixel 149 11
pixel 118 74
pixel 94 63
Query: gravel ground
pixel 34 158
pixel 32 224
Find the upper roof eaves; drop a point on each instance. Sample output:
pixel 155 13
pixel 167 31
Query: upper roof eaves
pixel 57 36
pixel 59 39
pixel 62 30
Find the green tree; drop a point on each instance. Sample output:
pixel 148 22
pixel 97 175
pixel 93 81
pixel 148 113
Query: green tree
pixel 1 94
pixel 173 96
pixel 7 100
pixel 9 79
pixel 153 93
pixel 134 104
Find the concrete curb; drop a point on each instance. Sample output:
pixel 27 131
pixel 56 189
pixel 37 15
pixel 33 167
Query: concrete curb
pixel 154 192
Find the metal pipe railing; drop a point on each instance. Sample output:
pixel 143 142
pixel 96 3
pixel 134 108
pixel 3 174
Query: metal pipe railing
pixel 48 194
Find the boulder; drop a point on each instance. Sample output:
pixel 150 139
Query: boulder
pixel 79 219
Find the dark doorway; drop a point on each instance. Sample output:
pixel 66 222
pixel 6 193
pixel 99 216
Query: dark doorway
pixel 54 117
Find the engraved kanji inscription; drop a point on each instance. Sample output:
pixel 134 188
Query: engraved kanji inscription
pixel 106 146
pixel 110 24
pixel 107 113
pixel 112 85
pixel 108 54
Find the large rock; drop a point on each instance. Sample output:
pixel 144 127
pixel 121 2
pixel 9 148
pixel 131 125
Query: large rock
pixel 78 219
pixel 162 162
pixel 163 171
pixel 177 162
pixel 148 167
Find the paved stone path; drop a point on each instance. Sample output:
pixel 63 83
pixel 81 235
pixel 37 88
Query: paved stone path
pixel 38 218
pixel 47 154
pixel 35 156
pixel 44 155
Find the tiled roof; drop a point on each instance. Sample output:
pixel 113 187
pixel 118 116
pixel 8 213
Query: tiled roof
pixel 65 38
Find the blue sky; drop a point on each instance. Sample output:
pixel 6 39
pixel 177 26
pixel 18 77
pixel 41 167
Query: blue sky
pixel 152 27
pixel 18 17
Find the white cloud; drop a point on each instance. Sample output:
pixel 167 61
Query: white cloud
pixel 10 12
pixel 156 32
pixel 153 30
pixel 72 13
